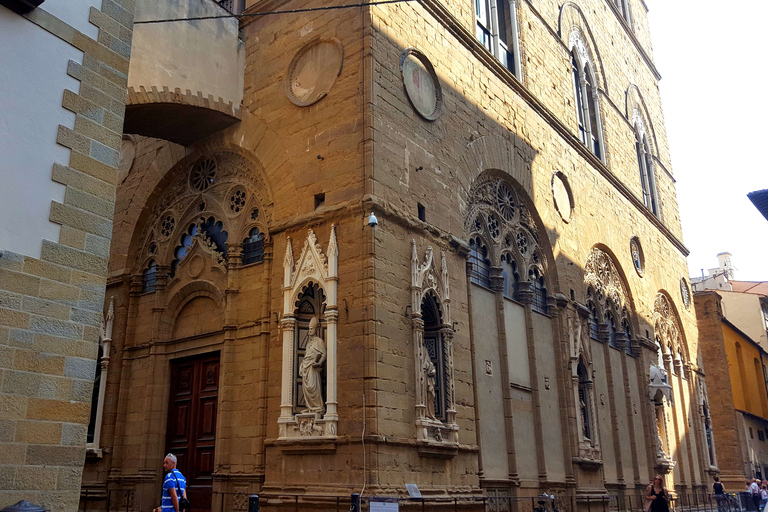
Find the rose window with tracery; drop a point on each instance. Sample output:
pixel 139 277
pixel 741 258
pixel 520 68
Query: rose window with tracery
pixel 504 231
pixel 168 225
pixel 522 243
pixel 506 201
pixel 203 174
pixel 493 226
pixel 237 201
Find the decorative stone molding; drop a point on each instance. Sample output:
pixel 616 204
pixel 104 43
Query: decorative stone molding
pixel 499 217
pixel 667 325
pixel 437 437
pixel 105 339
pixel 313 267
pixel 221 184
pixel 577 318
pixel 609 292
pixel 575 33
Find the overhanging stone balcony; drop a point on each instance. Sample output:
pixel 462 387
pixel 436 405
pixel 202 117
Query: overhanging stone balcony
pixel 185 81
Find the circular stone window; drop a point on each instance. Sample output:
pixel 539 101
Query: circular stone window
pixel 636 252
pixel 562 195
pixel 237 198
pixel 685 292
pixel 421 84
pixel 313 71
pixel 203 174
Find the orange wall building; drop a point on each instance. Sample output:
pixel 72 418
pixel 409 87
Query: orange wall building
pixel 735 366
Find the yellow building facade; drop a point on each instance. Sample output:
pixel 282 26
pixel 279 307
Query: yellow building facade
pixel 736 365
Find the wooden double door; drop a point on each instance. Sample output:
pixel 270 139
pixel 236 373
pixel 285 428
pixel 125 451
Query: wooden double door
pixel 192 415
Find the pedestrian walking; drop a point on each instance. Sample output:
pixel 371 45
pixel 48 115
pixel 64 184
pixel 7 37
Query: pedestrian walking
pixel 722 500
pixel 656 496
pixel 174 488
pixel 754 493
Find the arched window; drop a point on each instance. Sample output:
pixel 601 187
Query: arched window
pixel 594 320
pixel 579 94
pixel 435 351
pixel 496 29
pixel 611 329
pixel 645 165
pixel 659 354
pixel 253 247
pixel 539 300
pixel 623 8
pixel 627 330
pixel 592 106
pixel 587 106
pixel 480 265
pixel 511 277
pixel 585 406
pixel 149 281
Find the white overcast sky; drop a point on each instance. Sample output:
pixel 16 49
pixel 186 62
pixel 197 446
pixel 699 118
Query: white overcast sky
pixel 714 91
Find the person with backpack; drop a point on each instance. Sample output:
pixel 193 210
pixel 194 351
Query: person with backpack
pixel 174 488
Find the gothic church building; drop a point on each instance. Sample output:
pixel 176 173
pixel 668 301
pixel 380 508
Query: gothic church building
pixel 515 320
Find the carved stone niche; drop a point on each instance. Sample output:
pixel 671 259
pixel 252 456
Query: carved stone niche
pixel 314 423
pixel 580 347
pixel 437 433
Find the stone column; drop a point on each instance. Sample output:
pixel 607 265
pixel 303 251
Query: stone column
pixel 331 414
pixel 288 325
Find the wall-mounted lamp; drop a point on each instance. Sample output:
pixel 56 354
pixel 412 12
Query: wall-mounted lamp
pixel 372 220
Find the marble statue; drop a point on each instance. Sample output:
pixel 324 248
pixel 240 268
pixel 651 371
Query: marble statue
pixel 311 369
pixel 431 374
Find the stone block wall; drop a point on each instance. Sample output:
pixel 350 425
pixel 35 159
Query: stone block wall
pixel 51 307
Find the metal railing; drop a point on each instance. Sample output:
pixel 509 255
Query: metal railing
pixel 119 500
pixel 112 500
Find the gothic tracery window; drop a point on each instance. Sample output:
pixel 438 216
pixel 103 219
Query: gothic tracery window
pixel 607 295
pixel 201 203
pixel 647 178
pixel 478 259
pixel 496 29
pixel 539 299
pixel 510 276
pixel 149 281
pixel 498 218
pixel 586 98
pixel 253 247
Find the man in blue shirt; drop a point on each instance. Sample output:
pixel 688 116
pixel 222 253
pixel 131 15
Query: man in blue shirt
pixel 174 486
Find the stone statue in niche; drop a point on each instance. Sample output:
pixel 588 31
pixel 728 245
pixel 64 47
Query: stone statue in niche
pixel 431 374
pixel 311 369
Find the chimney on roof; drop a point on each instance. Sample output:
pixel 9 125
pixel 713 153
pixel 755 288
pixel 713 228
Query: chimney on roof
pixel 724 258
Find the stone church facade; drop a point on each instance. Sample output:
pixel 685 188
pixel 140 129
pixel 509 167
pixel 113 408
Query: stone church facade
pixel 516 320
